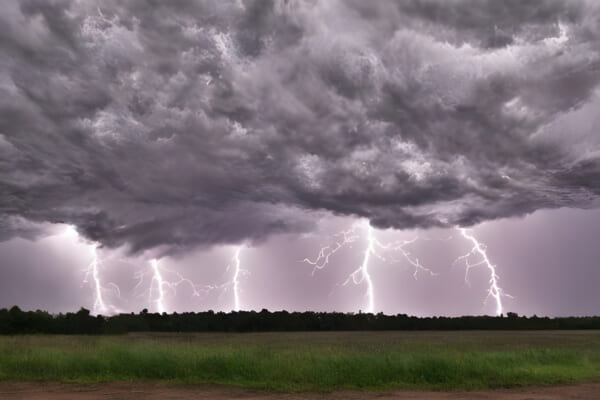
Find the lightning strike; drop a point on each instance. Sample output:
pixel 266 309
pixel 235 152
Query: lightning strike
pixel 236 277
pixel 164 282
pixel 361 274
pixel 234 282
pixel 157 278
pixel 374 246
pixel 322 259
pixel 92 272
pixel 418 267
pixel 480 249
pixel 92 277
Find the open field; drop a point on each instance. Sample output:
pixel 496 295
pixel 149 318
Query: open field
pixel 325 361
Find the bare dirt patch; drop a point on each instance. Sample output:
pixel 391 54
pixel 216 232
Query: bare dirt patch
pixel 127 390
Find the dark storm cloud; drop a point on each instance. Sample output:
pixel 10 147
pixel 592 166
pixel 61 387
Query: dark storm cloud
pixel 193 123
pixel 492 23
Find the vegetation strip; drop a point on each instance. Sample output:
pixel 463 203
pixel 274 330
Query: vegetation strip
pixel 309 361
pixel 15 321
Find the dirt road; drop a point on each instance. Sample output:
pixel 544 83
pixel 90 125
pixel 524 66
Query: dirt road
pixel 139 391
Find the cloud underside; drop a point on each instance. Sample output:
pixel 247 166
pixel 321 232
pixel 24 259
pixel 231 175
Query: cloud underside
pixel 183 124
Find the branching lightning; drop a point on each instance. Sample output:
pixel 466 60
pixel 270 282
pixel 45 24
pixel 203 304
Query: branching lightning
pixel 480 249
pixel 157 278
pixel 418 267
pixel 236 277
pixel 161 286
pixel 164 282
pixel 92 277
pixel 322 259
pixel 374 247
pixel 92 271
pixel 361 274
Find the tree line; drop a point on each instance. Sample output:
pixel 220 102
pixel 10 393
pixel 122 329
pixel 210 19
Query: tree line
pixel 16 321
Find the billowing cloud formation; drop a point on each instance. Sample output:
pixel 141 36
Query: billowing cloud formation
pixel 193 123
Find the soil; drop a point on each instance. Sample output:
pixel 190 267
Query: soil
pixel 138 391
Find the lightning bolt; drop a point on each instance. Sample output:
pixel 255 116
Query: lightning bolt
pixel 374 246
pixel 92 271
pixel 233 283
pixel 322 259
pixel 361 274
pixel 164 282
pixel 418 267
pixel 236 277
pixel 480 249
pixel 92 276
pixel 158 279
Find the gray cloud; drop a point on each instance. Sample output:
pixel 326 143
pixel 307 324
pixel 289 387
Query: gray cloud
pixel 196 123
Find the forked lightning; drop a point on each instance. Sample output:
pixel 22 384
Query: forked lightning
pixel 480 249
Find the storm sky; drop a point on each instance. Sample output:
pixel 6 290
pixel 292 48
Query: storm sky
pixel 181 130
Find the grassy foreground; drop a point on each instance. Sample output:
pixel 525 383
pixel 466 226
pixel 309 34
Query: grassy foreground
pixel 311 361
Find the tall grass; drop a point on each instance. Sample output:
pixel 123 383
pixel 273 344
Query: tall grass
pixel 299 365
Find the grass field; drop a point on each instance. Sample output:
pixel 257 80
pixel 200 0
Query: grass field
pixel 311 361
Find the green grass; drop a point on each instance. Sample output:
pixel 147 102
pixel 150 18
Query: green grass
pixel 310 361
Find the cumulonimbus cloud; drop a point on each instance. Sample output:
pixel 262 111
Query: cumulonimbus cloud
pixel 194 123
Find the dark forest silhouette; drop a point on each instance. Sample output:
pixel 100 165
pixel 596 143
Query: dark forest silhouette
pixel 16 321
